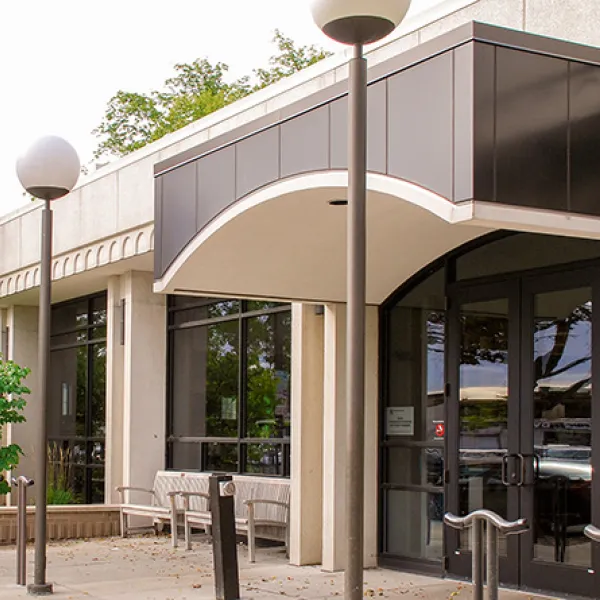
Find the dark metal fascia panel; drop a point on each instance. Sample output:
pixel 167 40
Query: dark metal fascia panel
pixel 539 44
pixel 402 61
pixel 158 226
pixel 473 31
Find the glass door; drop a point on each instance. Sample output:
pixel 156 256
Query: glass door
pixel 483 415
pixel 556 435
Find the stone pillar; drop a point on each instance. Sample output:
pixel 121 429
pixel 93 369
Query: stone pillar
pixel 22 322
pixel 144 376
pixel 115 353
pixel 306 525
pixel 334 440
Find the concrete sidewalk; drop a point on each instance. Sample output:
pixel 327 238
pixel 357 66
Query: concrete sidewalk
pixel 149 568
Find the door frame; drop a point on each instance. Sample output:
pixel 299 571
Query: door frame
pixel 458 294
pixel 535 574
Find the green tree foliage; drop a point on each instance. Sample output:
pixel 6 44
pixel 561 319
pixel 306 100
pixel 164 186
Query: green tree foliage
pixel 133 120
pixel 12 404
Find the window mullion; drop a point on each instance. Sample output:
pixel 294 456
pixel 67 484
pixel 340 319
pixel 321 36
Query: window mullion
pixel 243 393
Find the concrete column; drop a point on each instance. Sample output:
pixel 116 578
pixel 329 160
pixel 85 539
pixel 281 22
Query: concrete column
pixel 334 440
pixel 115 353
pixel 306 530
pixel 22 322
pixel 144 378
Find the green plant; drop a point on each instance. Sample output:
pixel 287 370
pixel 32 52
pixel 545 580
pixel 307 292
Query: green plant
pixel 12 405
pixel 59 490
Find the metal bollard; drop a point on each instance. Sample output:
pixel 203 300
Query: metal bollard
pixel 222 491
pixel 22 484
pixel 493 524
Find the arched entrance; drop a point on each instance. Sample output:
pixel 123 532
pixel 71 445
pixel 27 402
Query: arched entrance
pixel 488 374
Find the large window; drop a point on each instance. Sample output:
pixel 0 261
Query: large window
pixel 76 419
pixel 413 425
pixel 229 385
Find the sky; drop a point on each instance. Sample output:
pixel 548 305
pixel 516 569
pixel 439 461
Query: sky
pixel 62 60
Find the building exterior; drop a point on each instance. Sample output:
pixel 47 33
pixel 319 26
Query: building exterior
pixel 199 289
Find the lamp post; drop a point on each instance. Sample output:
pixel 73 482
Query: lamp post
pixel 48 170
pixel 356 23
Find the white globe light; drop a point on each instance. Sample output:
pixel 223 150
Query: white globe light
pixel 358 21
pixel 49 168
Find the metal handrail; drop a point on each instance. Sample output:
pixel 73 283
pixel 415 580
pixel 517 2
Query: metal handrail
pixel 494 523
pixel 502 525
pixel 592 532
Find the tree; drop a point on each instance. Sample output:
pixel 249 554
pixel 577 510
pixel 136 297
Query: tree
pixel 12 405
pixel 133 120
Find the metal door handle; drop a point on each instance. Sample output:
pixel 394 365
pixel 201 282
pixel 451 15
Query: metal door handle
pixel 521 482
pixel 505 470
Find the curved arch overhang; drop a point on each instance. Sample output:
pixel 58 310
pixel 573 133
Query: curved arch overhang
pixel 286 241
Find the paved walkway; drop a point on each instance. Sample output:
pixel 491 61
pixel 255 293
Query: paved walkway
pixel 148 568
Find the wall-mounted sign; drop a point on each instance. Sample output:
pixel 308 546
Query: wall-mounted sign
pixel 440 430
pixel 400 420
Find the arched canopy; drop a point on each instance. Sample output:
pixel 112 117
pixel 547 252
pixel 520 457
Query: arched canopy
pixel 287 241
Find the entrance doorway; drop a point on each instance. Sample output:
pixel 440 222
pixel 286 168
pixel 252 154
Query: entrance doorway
pixel 519 422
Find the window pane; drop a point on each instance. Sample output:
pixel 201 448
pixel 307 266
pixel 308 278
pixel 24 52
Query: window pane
pixel 529 251
pixel 266 459
pixel 78 484
pixel 205 380
pixel 98 418
pixel 221 457
pixel 562 395
pixel 69 339
pixel 414 524
pixel 69 316
pixel 253 305
pixel 99 310
pixel 415 466
pixel 68 392
pixel 97 485
pixel 268 377
pixel 206 311
pixel 186 457
pixel 96 453
pixel 98 333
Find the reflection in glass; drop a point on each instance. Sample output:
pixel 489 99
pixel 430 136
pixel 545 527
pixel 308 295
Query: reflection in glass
pixel 221 457
pixel 97 485
pixel 205 382
pixel 200 311
pixel 266 459
pixel 77 396
pixel 415 466
pixel 425 511
pixel 253 305
pixel 562 427
pixel 186 456
pixel 98 400
pixel 268 376
pixel 483 406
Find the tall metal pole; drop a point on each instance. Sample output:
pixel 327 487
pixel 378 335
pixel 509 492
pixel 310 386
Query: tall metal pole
pixel 40 587
pixel 355 323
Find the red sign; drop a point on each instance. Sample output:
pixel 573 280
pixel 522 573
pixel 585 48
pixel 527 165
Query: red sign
pixel 440 430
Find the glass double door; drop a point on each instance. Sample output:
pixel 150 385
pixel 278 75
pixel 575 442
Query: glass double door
pixel 520 422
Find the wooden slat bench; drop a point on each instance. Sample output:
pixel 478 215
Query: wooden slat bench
pixel 262 507
pixel 163 503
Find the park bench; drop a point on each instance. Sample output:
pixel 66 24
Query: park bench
pixel 163 503
pixel 262 507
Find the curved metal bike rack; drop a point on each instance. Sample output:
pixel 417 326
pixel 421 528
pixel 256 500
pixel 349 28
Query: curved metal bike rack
pixel 494 524
pixel 592 532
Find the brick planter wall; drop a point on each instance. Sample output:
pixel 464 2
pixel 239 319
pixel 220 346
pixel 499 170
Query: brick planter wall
pixel 64 522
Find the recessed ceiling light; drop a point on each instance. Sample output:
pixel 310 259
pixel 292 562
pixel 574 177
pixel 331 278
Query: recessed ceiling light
pixel 338 202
